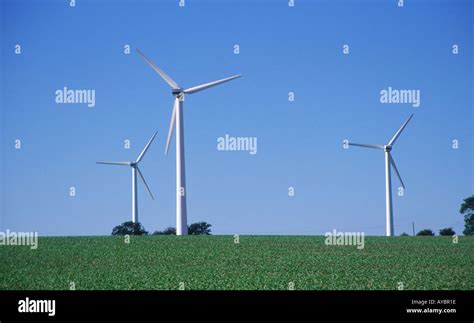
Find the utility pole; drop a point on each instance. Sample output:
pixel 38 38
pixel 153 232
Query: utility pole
pixel 413 226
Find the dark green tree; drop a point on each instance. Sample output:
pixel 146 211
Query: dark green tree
pixel 447 232
pixel 167 231
pixel 199 228
pixel 404 234
pixel 129 228
pixel 425 232
pixel 467 209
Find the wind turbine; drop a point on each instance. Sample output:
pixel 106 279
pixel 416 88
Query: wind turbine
pixel 135 170
pixel 177 121
pixel 389 162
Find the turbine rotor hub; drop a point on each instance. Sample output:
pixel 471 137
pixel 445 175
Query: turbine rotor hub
pixel 387 148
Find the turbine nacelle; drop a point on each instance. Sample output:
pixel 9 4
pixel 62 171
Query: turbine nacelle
pixel 387 148
pixel 177 92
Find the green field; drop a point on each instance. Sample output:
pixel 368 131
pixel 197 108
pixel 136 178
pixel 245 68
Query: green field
pixel 256 262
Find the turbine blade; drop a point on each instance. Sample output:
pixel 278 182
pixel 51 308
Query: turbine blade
pixel 397 134
pixel 114 163
pixel 160 72
pixel 172 125
pixel 367 145
pixel 146 148
pixel 210 84
pixel 144 182
pixel 396 170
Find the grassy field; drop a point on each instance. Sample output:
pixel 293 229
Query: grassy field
pixel 257 262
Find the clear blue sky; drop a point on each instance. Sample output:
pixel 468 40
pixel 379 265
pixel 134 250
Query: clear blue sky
pixel 282 49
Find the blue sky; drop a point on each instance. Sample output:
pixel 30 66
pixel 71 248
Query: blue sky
pixel 282 49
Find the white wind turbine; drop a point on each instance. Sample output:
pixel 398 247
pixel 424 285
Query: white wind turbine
pixel 135 170
pixel 388 185
pixel 177 121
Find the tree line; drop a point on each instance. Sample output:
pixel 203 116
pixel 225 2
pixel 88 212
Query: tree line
pixel 130 228
pixel 466 210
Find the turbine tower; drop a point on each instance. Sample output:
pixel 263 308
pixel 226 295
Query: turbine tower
pixel 178 122
pixel 389 162
pixel 135 170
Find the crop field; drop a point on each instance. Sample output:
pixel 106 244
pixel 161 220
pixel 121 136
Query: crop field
pixel 256 262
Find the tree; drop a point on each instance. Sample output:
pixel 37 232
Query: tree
pixel 447 232
pixel 129 228
pixel 425 232
pixel 167 231
pixel 199 228
pixel 404 234
pixel 467 209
